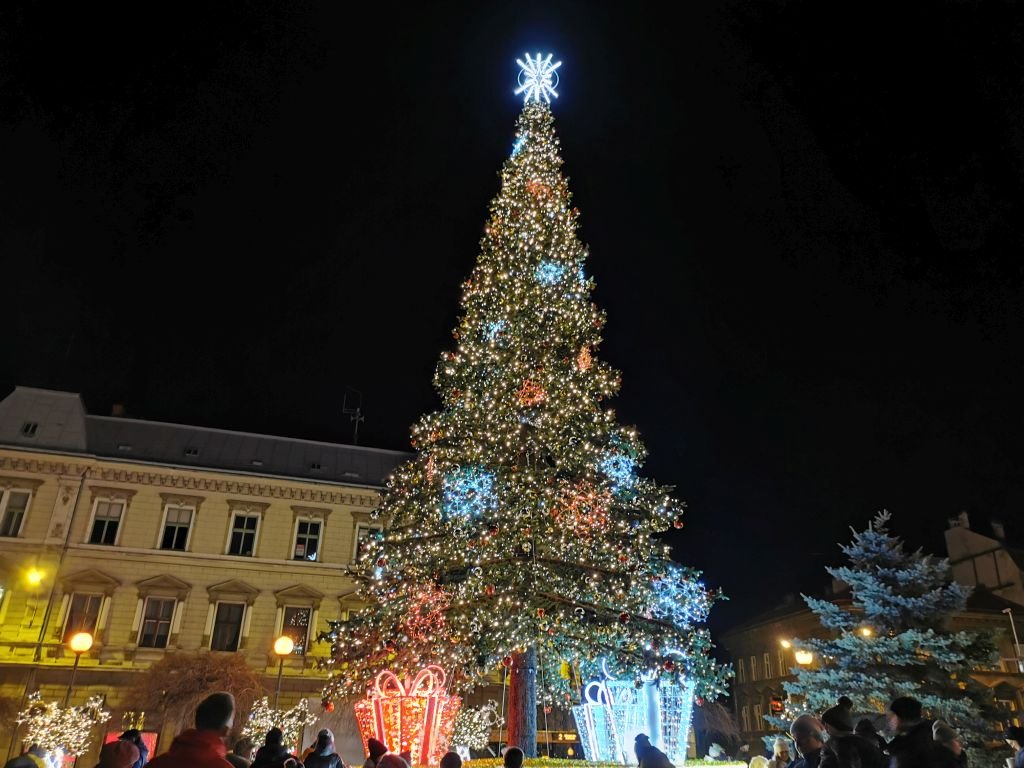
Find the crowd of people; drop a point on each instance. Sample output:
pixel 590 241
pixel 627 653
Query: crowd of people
pixel 835 741
pixel 205 746
pixel 831 741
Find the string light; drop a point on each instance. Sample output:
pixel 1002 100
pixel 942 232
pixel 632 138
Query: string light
pixel 263 717
pixel 528 526
pixel 473 725
pixel 61 730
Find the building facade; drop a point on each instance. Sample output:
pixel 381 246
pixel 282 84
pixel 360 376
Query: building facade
pixel 160 538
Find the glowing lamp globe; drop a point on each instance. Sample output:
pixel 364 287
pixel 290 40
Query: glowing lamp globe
pixel 284 645
pixel 804 658
pixel 80 642
pixel 34 577
pixel 785 644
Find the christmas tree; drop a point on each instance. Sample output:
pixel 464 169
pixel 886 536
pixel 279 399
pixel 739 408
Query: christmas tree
pixel 522 533
pixel 894 639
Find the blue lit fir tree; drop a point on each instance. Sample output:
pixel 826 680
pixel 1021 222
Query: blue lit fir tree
pixel 893 637
pixel 522 532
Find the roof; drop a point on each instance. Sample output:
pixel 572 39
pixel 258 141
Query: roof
pixel 41 419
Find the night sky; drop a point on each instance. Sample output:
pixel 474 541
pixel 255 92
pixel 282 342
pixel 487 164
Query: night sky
pixel 804 219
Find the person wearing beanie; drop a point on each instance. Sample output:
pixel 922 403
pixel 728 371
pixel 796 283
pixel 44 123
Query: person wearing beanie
pixel 912 746
pixel 376 749
pixel 780 754
pixel 323 755
pixel 648 755
pixel 1015 740
pixel 844 748
pixel 118 754
pixel 451 760
pixel 806 733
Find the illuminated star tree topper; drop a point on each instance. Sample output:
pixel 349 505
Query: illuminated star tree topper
pixel 538 78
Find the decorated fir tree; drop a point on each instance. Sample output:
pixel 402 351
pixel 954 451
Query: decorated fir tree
pixel 522 532
pixel 893 638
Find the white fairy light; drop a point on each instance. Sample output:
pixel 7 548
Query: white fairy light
pixel 538 78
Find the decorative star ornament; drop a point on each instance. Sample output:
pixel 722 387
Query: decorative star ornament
pixel 538 78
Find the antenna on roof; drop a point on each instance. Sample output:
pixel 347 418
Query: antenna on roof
pixel 355 413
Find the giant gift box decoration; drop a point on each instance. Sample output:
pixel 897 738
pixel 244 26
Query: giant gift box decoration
pixel 415 715
pixel 613 712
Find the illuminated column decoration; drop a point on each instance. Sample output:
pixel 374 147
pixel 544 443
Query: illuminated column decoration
pixel 415 716
pixel 613 712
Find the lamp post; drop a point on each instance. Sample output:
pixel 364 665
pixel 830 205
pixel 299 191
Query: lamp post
pixel 1016 642
pixel 804 658
pixel 79 644
pixel 283 646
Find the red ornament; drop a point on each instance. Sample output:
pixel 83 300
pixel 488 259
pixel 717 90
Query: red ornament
pixel 623 558
pixel 328 705
pixel 699 701
pixel 678 523
pixel 507 661
pixel 531 393
pixel 489 590
pixel 493 530
pixel 540 613
pixel 547 710
pixel 382 561
pixel 669 665
pixel 623 617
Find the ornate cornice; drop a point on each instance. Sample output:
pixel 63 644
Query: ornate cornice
pixel 191 482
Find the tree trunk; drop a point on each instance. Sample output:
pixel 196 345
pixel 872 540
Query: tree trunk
pixel 522 702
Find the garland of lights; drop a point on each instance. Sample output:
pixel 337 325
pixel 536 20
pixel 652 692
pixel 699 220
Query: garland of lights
pixel 524 520
pixel 473 725
pixel 263 717
pixel 61 730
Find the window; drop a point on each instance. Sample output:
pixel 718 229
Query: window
pixel 753 668
pixel 13 503
pixel 28 429
pixel 83 614
pixel 767 666
pixel 741 671
pixel 307 540
pixel 745 717
pixel 243 535
pixel 363 533
pixel 783 670
pixel 106 521
pixel 177 523
pixel 156 622
pixel 296 626
pixel 758 719
pixel 227 626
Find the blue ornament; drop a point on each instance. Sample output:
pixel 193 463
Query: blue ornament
pixel 549 273
pixel 468 492
pixel 493 328
pixel 620 469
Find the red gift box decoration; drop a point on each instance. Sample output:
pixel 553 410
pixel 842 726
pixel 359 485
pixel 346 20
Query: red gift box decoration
pixel 415 716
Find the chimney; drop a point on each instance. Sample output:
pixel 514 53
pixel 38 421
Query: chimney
pixel 960 521
pixel 118 409
pixel 997 530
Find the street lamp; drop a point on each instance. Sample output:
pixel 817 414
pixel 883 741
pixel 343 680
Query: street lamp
pixel 79 644
pixel 804 658
pixel 866 631
pixel 785 644
pixel 283 646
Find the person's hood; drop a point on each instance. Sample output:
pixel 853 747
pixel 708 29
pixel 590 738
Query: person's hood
pixel 196 741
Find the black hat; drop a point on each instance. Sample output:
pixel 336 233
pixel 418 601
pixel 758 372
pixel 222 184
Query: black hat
pixel 839 718
pixel 906 708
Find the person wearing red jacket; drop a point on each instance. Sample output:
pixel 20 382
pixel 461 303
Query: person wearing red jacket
pixel 204 745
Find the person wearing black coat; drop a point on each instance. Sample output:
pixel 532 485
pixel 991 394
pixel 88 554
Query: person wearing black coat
pixel 844 748
pixel 273 753
pixel 912 745
pixel 323 755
